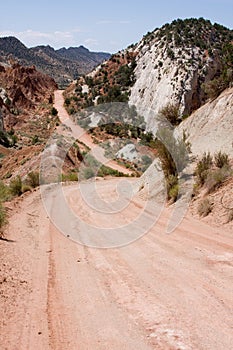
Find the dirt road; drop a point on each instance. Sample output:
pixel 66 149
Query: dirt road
pixel 83 136
pixel 160 292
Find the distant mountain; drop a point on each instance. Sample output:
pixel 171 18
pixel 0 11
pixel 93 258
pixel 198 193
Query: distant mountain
pixel 81 53
pixel 62 65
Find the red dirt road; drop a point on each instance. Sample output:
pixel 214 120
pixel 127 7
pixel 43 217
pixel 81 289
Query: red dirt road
pixel 160 292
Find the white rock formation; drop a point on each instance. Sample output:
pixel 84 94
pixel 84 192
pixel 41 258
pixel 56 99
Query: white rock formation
pixel 210 128
pixel 128 152
pixel 161 79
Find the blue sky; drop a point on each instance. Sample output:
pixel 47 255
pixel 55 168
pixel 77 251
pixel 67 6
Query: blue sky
pixel 101 25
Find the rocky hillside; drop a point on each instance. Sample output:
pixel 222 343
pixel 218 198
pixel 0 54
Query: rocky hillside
pixel 175 62
pixel 26 98
pixel 63 65
pixel 183 64
pixel 209 129
pixel 23 88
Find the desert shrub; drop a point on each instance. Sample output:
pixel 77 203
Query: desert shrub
pixel 13 139
pixel 4 140
pixel 88 173
pixel 26 188
pixel 4 192
pixel 230 216
pixel 70 177
pixel 16 186
pixel 171 53
pixel 203 167
pixel 216 86
pixel 221 160
pixel 67 101
pixel 3 219
pixel 216 177
pixel 204 207
pixel 174 193
pixel 54 112
pixel 35 139
pixel 166 159
pixel 172 153
pixel 171 113
pixel 104 171
pixel 33 179
pixel 195 189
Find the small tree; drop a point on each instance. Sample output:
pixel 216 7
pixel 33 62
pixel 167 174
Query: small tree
pixel 54 112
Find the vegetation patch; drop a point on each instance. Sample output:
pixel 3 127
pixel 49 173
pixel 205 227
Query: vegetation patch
pixel 204 207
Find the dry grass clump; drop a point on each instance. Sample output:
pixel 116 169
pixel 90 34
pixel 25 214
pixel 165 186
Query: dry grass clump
pixel 204 207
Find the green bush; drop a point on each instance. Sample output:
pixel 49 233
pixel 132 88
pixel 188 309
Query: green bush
pixel 221 160
pixel 171 113
pixel 4 192
pixel 172 187
pixel 173 155
pixel 70 177
pixel 88 173
pixel 216 177
pixel 4 140
pixel 67 101
pixel 26 188
pixel 204 207
pixel 35 139
pixel 174 193
pixel 3 219
pixel 203 167
pixel 33 179
pixel 105 171
pixel 16 186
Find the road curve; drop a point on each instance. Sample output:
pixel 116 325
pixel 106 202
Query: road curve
pixel 83 136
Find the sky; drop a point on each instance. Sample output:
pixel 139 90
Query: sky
pixel 100 25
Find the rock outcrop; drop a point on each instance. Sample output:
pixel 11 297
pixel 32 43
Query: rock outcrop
pixel 174 63
pixel 25 86
pixel 210 128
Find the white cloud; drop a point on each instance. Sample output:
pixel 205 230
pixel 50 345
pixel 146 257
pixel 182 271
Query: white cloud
pixel 33 38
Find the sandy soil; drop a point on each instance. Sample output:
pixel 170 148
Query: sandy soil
pixel 160 292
